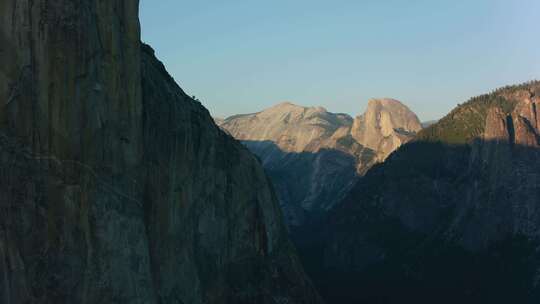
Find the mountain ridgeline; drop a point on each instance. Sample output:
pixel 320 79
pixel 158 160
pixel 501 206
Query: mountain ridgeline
pixel 115 186
pixel 451 217
pixel 313 156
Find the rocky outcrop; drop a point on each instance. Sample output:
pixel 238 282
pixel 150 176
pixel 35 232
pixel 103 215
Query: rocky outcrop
pixel 451 217
pixel 314 156
pixel 386 125
pixel 292 128
pixel 115 186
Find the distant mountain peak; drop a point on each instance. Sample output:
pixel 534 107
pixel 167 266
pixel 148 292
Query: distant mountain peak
pixel 395 106
pixel 329 150
pixel 385 101
pixel 286 104
pixel 386 125
pixel 289 106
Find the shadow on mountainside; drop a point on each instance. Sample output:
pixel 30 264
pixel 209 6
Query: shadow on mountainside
pixel 435 223
pixel 308 184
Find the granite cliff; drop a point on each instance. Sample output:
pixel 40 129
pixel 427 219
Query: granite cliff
pixel 451 217
pixel 115 186
pixel 385 126
pixel 313 156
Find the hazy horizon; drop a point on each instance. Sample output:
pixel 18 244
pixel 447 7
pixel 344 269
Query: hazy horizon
pixel 245 56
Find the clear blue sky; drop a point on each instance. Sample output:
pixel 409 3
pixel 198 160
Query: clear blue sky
pixel 241 56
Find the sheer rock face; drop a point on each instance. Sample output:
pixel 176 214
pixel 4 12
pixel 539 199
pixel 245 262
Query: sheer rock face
pixel 71 80
pixel 115 186
pixel 526 122
pixel 439 216
pixel 386 125
pixel 314 156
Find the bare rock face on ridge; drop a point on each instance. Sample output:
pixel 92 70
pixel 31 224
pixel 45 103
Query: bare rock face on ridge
pixel 386 125
pixel 293 128
pixel 314 156
pixel 115 186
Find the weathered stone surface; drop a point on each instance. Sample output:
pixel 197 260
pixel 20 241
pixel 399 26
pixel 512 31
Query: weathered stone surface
pixel 116 187
pixel 386 125
pixel 214 224
pixel 314 156
pixel 72 80
pixel 293 128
